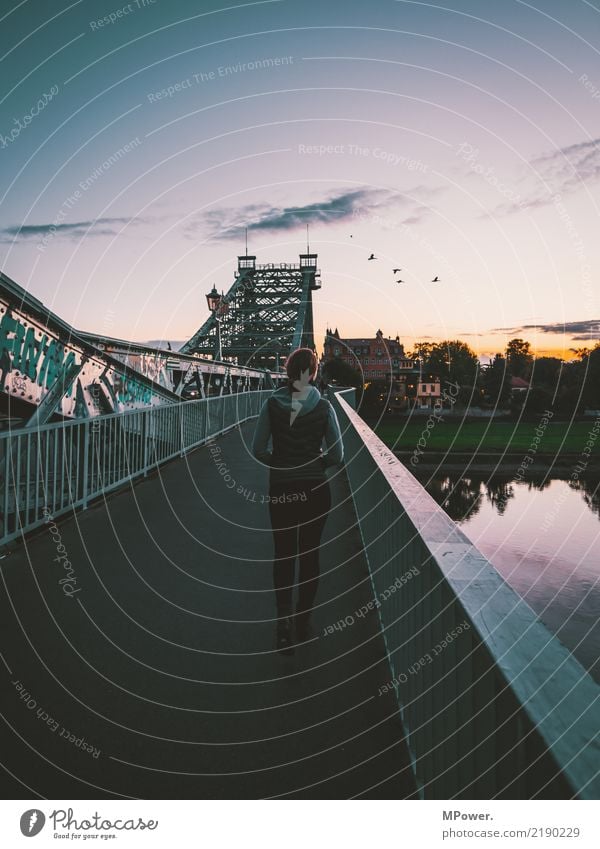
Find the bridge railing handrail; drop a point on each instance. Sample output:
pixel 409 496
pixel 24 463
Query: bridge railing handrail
pixel 492 704
pixel 55 468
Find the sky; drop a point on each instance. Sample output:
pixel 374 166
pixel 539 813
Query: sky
pixel 453 139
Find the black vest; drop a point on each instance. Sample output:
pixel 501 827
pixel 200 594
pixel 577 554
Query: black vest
pixel 297 445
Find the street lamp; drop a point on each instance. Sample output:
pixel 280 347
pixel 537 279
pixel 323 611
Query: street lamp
pixel 277 350
pixel 213 300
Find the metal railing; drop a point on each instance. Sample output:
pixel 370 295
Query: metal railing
pixel 492 704
pixel 56 468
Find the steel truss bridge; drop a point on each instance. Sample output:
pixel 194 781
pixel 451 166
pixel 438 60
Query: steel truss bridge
pixel 266 313
pixel 49 370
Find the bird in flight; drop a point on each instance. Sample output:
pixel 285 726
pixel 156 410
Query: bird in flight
pixel 400 281
pixel 436 279
pixel 372 257
pixel 396 270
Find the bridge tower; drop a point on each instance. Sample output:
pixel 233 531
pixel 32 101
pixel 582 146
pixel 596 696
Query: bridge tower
pixel 266 313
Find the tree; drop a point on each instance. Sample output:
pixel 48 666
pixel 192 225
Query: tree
pixel 374 399
pixel 496 382
pixel 591 379
pixel 546 372
pixel 421 351
pixel 536 400
pixel 519 358
pixel 343 373
pixel 454 361
pixel 581 353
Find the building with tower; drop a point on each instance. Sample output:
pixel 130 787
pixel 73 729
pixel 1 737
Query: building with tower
pixel 383 359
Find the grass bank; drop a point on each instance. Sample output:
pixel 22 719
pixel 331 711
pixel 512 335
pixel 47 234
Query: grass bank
pixel 492 437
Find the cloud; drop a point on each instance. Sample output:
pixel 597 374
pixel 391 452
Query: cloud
pixel 586 330
pixel 228 223
pixel 97 227
pixel 558 172
pixel 570 166
pixel 414 219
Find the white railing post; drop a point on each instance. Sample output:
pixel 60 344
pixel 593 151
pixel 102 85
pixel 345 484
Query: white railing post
pixel 86 451
pixel 182 445
pixel 145 439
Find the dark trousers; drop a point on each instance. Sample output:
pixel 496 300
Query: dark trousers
pixel 298 512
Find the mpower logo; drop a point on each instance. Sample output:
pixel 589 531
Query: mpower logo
pixel 32 822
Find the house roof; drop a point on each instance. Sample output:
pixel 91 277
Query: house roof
pixel 518 383
pixel 389 342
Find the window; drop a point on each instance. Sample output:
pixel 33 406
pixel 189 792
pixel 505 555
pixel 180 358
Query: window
pixel 336 351
pixel 424 388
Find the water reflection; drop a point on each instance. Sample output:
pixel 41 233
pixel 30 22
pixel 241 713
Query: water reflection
pixel 460 495
pixel 591 494
pixel 543 535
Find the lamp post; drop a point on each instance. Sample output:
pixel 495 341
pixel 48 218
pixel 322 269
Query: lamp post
pixel 277 350
pixel 213 300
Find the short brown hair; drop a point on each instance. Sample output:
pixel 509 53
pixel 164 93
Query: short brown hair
pixel 301 360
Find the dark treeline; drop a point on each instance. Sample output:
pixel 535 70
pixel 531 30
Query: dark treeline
pixel 462 495
pixel 566 387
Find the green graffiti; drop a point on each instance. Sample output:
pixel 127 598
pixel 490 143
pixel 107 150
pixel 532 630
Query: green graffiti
pixel 130 391
pixel 45 361
pixel 40 360
pixel 27 358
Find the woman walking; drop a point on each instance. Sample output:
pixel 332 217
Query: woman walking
pixel 297 420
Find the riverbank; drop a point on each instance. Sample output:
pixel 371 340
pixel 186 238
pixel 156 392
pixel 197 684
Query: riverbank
pixel 562 465
pixel 445 435
pixel 492 446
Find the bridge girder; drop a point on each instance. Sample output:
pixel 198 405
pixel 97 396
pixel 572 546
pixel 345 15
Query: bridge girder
pixel 266 313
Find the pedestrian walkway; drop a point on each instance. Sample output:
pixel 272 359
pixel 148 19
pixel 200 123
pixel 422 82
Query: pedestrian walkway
pixel 139 661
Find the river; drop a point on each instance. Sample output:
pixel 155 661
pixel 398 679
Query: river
pixel 543 536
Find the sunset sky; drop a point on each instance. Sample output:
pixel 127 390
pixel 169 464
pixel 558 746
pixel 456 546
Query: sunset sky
pixel 458 139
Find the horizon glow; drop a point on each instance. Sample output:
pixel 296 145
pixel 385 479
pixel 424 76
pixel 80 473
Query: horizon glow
pixel 458 141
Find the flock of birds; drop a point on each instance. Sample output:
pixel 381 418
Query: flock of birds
pixel 436 279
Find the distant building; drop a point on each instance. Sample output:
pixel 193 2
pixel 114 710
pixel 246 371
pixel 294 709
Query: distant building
pixel 373 358
pixel 428 390
pixel 383 360
pixel 518 386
